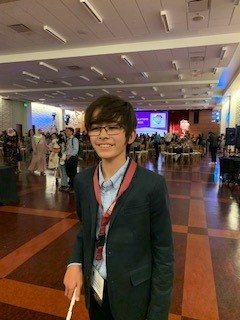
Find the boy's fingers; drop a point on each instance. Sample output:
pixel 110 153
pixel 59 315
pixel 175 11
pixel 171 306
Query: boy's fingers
pixel 78 293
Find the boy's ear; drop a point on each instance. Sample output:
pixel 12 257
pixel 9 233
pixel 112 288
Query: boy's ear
pixel 132 137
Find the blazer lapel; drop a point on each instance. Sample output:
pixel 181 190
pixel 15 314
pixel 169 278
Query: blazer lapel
pixel 93 206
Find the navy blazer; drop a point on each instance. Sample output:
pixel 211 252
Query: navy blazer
pixel 139 247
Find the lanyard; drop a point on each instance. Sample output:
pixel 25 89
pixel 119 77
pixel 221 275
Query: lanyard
pixel 107 215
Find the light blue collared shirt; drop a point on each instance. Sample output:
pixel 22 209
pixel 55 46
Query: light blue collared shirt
pixel 72 146
pixel 109 190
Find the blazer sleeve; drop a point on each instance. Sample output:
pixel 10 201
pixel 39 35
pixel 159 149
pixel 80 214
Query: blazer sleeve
pixel 162 252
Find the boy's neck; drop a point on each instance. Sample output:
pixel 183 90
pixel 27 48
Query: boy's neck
pixel 109 167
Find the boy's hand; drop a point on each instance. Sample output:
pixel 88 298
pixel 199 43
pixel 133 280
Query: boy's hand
pixel 73 279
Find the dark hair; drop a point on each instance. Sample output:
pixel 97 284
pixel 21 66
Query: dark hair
pixel 71 129
pixel 111 109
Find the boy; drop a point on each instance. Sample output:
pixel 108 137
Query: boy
pixel 123 253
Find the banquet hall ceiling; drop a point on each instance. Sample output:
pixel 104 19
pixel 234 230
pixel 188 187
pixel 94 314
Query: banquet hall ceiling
pixel 188 63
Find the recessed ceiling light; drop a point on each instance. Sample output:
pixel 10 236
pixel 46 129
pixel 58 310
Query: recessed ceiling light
pixel 44 64
pixel 99 72
pixel 145 74
pixel 92 10
pixel 165 22
pixel 30 75
pixel 55 34
pixel 119 80
pixel 84 78
pixel 32 81
pixel 127 60
pixel 19 85
pixel 66 83
pixel 198 17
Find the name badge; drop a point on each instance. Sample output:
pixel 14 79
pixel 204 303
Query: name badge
pixel 97 283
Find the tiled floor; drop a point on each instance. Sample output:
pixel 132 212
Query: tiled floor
pixel 36 236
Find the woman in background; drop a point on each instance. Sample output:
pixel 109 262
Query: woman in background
pixel 53 161
pixel 39 146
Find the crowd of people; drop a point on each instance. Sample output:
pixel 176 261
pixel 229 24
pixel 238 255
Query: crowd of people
pixel 41 151
pixel 60 152
pixel 210 143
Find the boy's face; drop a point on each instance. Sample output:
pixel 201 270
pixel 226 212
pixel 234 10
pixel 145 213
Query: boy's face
pixel 68 132
pixel 110 145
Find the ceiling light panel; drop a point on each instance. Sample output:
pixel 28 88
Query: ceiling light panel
pixel 19 85
pixel 175 66
pixel 119 80
pixel 97 71
pixel 145 74
pixel 92 10
pixel 66 83
pixel 30 75
pixel 215 70
pixel 54 34
pixel 84 78
pixel 165 21
pixel 223 52
pixel 127 60
pixel 44 64
pixel 32 81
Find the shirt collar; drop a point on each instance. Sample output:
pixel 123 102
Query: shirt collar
pixel 116 179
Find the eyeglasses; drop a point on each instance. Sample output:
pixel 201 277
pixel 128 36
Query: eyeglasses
pixel 111 129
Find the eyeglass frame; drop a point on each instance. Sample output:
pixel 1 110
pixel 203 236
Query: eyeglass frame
pixel 106 130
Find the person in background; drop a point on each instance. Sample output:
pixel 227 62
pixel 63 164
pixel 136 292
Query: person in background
pixel 40 148
pixel 222 144
pixel 53 160
pixel 28 145
pixel 168 138
pixel 213 146
pixel 123 253
pixel 202 145
pixel 71 161
pixel 11 148
pixel 77 133
pixel 62 158
pixel 156 143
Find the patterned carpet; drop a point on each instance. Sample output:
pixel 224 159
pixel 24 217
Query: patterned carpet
pixel 37 234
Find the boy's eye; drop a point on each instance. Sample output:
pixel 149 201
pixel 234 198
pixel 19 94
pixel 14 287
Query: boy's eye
pixel 113 127
pixel 95 129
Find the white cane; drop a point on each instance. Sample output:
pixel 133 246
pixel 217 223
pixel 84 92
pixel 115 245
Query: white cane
pixel 72 303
